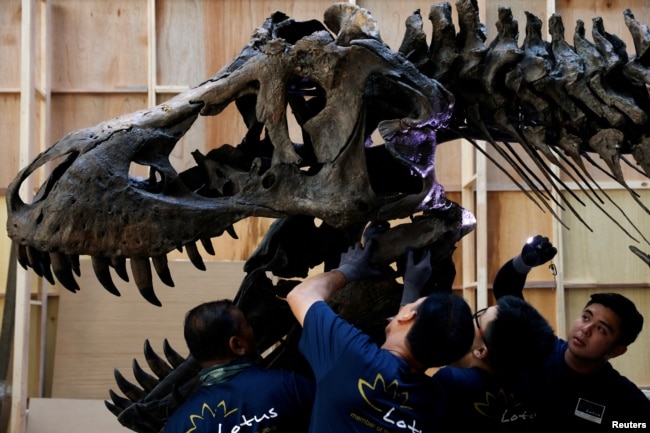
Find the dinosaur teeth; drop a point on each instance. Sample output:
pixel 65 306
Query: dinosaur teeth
pixel 158 365
pixel 63 271
pixel 131 391
pixel 74 263
pixel 207 245
pixel 146 380
pixel 160 265
pixel 141 269
pixel 39 262
pixel 21 255
pixel 119 402
pixel 195 256
pixel 34 261
pixel 111 407
pixel 231 231
pixel 119 264
pixel 174 358
pixel 103 274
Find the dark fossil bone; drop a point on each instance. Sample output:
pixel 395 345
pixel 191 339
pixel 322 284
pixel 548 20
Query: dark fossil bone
pixel 559 104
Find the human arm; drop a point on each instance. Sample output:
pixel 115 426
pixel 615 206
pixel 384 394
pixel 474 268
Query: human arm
pixel 511 277
pixel 317 288
pixel 354 265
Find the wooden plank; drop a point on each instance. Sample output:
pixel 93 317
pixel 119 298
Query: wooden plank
pixel 78 111
pixel 513 218
pixel 74 415
pixel 99 44
pixel 10 15
pixel 181 39
pixel 9 122
pixel 98 332
pixel 604 256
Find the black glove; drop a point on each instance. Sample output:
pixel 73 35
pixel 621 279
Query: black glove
pixel 537 251
pixel 374 229
pixel 416 276
pixel 355 263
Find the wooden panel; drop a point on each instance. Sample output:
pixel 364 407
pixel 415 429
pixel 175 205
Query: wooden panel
pixel 76 111
pixel 10 124
pixel 635 363
pixel 181 43
pixel 448 160
pixel 99 44
pixel 544 301
pixel 62 415
pixel 604 256
pixel 10 49
pixel 98 332
pixel 10 15
pixel 513 219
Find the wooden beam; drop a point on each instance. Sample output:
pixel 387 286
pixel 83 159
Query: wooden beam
pixel 27 122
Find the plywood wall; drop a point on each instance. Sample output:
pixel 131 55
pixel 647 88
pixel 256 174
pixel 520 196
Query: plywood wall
pixel 98 332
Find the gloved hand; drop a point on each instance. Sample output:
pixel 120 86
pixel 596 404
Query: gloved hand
pixel 416 276
pixel 537 251
pixel 355 263
pixel 374 229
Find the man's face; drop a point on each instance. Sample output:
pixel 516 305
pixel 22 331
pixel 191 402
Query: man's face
pixel 594 334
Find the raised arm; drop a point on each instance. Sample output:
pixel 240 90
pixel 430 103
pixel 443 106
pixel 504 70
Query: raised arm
pixel 511 277
pixel 354 266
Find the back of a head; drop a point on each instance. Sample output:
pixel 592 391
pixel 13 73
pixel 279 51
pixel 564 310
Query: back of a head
pixel 443 330
pixel 631 319
pixel 519 338
pixel 208 328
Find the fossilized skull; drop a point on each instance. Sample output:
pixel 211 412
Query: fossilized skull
pixel 340 89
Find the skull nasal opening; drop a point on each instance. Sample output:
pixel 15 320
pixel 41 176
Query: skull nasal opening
pixel 305 100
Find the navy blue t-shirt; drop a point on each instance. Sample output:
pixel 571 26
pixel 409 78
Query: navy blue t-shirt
pixel 254 401
pixel 361 387
pixel 479 402
pixel 604 401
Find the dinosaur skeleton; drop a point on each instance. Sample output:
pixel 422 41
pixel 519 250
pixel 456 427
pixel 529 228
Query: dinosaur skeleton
pixel 560 103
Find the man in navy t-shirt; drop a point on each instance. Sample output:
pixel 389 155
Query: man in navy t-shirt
pixel 361 387
pixel 583 390
pixel 235 394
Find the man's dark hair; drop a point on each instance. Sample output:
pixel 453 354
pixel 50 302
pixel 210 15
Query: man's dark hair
pixel 631 319
pixel 518 339
pixel 443 330
pixel 208 327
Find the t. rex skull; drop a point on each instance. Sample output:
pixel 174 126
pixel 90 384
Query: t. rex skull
pixel 340 90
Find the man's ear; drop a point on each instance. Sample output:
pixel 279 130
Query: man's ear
pixel 480 352
pixel 236 346
pixel 406 315
pixel 617 351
